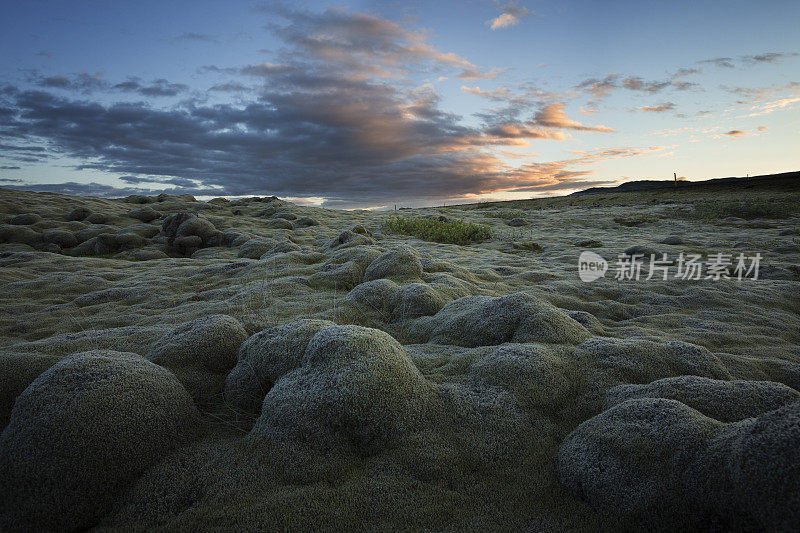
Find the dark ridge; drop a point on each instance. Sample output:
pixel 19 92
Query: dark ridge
pixel 789 180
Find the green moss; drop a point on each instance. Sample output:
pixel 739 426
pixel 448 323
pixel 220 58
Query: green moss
pixel 747 209
pixel 636 220
pixel 528 246
pixel 444 231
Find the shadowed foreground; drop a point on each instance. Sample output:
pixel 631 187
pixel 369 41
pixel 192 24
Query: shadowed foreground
pixel 254 364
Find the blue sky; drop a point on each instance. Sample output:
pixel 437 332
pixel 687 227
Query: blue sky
pixel 368 104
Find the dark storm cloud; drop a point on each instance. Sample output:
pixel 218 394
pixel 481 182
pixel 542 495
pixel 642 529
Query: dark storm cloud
pixel 333 116
pixel 82 82
pixel 159 87
pixel 8 167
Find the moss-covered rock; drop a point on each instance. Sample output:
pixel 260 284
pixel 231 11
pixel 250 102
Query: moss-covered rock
pixel 201 353
pixel 485 321
pixel 83 430
pixel 356 385
pixel 726 401
pixel 265 357
pixel 401 262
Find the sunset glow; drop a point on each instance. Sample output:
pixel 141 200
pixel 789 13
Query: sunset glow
pixel 372 104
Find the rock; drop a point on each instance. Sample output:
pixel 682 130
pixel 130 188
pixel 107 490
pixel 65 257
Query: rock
pixel 25 219
pixel 672 239
pixel 348 239
pixel 210 342
pixel 81 432
pixel 304 222
pixel 145 214
pixel 749 477
pixel 219 201
pixel 378 295
pixel 786 249
pixel 65 239
pixel 416 300
pixel 19 234
pixel 642 361
pixel 93 231
pixel 79 213
pixel 663 465
pixel 139 199
pixel 287 215
pixel 400 262
pixel 789 231
pixel 180 228
pixel 255 248
pixel 517 222
pixel 487 321
pixel 589 243
pixel 726 401
pixel 356 386
pixel 279 223
pixel 643 251
pixel 17 371
pixel 147 231
pixel 201 353
pixel 111 243
pixel 98 218
pixel 628 460
pixel 538 376
pixel 265 357
pixel 361 230
pixel 282 247
pixel 147 254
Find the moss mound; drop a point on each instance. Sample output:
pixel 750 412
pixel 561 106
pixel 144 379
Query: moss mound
pixel 83 430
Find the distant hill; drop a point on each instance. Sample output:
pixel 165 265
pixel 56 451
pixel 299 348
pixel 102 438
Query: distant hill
pixel 783 180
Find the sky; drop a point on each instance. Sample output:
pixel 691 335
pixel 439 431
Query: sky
pixel 372 104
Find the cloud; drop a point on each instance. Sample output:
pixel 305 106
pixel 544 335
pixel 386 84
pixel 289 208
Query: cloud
pixel 599 88
pixel 721 62
pixel 768 57
pixel 335 115
pixel 82 82
pixel 159 87
pixel 196 37
pixel 735 133
pixel 8 167
pixel 229 87
pixel 762 128
pixel 660 108
pixel 495 94
pixel 553 116
pixel 510 15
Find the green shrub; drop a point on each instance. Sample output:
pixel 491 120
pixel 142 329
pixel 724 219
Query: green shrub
pixel 508 214
pixel 436 230
pixel 747 209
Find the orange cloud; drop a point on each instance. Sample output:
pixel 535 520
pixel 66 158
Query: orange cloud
pixel 553 116
pixel 667 106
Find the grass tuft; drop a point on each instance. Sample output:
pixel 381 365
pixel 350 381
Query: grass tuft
pixel 444 231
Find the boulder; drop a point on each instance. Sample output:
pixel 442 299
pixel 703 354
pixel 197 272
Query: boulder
pixel 81 432
pixel 356 387
pixel 265 357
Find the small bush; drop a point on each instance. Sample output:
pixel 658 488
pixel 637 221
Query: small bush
pixel 447 231
pixel 747 209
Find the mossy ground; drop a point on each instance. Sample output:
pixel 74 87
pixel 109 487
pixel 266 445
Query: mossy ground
pixel 54 305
